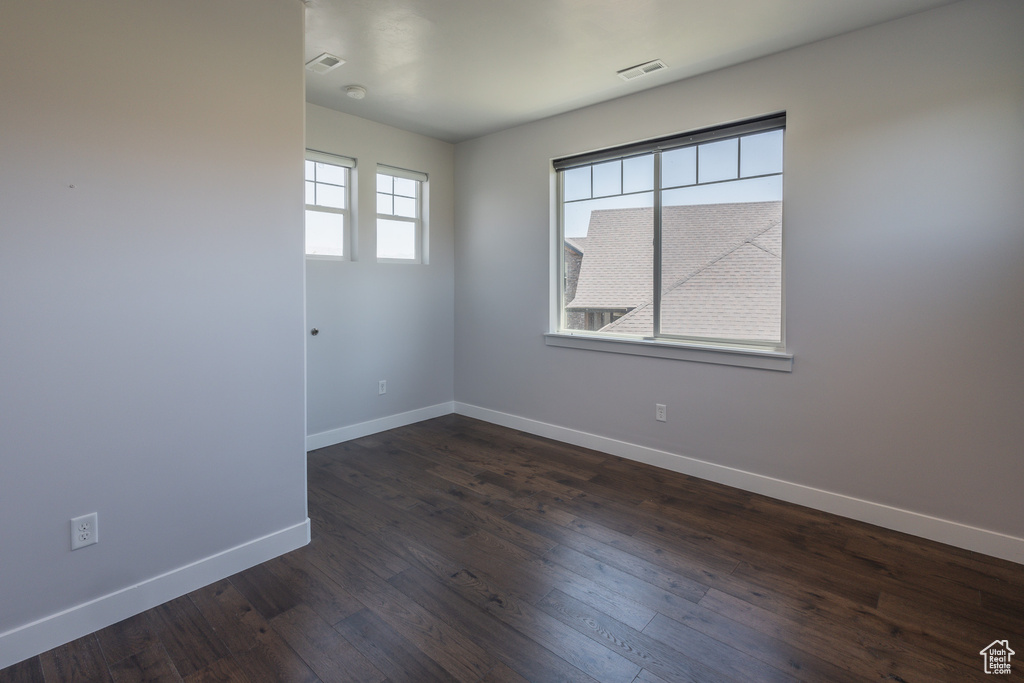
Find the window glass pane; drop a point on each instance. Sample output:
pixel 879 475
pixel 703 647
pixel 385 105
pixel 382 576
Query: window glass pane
pixel 638 174
pixel 679 167
pixel 717 160
pixel 325 233
pixel 722 261
pixel 607 178
pixel 609 262
pixel 309 170
pixel 384 203
pixel 384 183
pixel 405 187
pixel 576 183
pixel 310 192
pixel 405 206
pixel 330 195
pixel 329 173
pixel 396 239
pixel 761 154
pixel 766 189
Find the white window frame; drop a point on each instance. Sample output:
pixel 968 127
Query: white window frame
pixel 723 352
pixel 347 213
pixel 419 221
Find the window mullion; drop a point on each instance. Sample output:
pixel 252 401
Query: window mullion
pixel 656 313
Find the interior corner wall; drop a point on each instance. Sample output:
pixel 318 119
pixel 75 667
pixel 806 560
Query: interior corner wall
pixel 151 303
pixel 903 274
pixel 380 321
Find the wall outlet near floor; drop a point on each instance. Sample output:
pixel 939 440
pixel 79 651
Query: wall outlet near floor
pixel 659 412
pixel 382 387
pixel 84 531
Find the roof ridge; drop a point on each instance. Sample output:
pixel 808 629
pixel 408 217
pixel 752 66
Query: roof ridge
pixel 700 269
pixel 749 240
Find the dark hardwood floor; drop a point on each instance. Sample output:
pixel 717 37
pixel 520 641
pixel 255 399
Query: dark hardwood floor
pixel 457 550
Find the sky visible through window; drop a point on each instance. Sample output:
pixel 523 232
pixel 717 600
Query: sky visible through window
pixel 735 170
pixel 397 197
pixel 326 204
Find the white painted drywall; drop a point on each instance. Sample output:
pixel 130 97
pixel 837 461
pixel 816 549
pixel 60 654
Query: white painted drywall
pixel 151 290
pixel 390 321
pixel 904 273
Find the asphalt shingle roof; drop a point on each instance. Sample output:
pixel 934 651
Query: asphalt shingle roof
pixel 577 243
pixel 721 268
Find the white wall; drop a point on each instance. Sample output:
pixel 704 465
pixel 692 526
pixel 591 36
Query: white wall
pixel 904 275
pixel 151 320
pixel 377 321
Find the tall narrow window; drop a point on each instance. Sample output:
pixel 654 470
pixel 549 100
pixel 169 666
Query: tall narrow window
pixel 328 205
pixel 400 214
pixel 676 239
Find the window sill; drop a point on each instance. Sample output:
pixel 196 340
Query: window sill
pixel 718 355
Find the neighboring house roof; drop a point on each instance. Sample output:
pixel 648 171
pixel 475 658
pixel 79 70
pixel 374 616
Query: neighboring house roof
pixel 577 244
pixel 721 267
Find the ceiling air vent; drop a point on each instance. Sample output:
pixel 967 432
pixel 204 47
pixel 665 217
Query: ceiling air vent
pixel 324 63
pixel 642 70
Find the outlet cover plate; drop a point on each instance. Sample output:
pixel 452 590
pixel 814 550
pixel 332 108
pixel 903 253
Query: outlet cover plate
pixel 659 412
pixel 84 531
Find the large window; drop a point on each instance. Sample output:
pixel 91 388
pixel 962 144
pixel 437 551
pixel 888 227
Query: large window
pixel 400 214
pixel 328 203
pixel 677 239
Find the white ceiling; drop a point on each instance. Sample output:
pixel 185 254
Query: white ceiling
pixel 458 69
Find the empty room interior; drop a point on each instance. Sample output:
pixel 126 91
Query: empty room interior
pixel 411 340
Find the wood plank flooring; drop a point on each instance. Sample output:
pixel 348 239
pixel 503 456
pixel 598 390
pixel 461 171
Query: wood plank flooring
pixel 456 550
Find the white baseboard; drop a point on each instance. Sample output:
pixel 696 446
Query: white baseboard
pixel 944 531
pixel 63 627
pixel 333 436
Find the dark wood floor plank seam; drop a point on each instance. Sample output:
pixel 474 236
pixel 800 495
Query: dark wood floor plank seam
pixel 189 639
pixel 631 564
pixel 633 644
pixel 729 661
pixel 468 583
pixel 462 658
pixel 872 655
pixel 515 649
pixel 324 649
pixel 428 487
pixel 623 583
pixel 151 665
pixel 697 566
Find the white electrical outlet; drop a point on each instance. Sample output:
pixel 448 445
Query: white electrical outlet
pixel 382 387
pixel 85 531
pixel 659 412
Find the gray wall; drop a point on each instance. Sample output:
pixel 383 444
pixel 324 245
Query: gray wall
pixel 390 321
pixel 904 272
pixel 151 322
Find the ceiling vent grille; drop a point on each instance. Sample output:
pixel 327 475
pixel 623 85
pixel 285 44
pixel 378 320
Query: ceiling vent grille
pixel 324 63
pixel 642 70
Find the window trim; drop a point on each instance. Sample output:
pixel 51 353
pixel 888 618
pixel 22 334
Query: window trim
pixel 744 357
pixel 768 356
pixel 419 222
pixel 670 142
pixel 348 213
